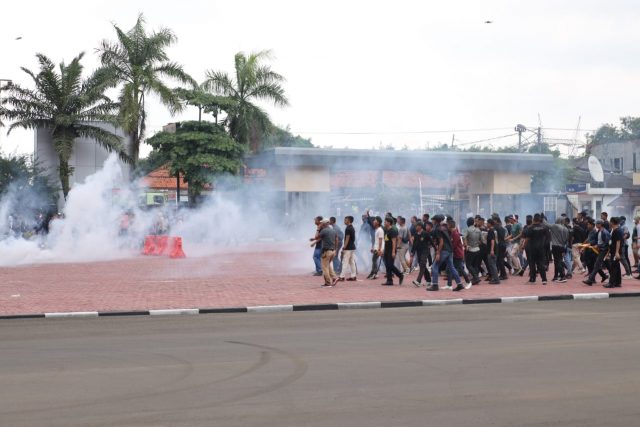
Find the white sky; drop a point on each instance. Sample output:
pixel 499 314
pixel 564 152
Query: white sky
pixel 371 66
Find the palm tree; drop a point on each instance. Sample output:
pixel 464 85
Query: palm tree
pixel 67 106
pixel 139 62
pixel 253 82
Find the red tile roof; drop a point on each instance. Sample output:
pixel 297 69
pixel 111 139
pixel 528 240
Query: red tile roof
pixel 160 179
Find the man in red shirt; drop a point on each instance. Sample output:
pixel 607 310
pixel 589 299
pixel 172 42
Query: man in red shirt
pixel 458 253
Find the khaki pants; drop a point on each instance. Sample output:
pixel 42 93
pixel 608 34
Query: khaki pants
pixel 348 260
pixel 401 256
pixel 327 267
pixel 513 256
pixel 575 251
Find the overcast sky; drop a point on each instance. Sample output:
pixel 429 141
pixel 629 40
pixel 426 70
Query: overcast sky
pixel 383 69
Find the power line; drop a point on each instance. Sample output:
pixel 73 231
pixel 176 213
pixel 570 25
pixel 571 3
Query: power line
pixel 399 132
pixel 488 139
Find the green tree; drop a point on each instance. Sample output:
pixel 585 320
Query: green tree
pixel 284 138
pixel 25 184
pixel 205 102
pixel 253 82
pixel 67 106
pixel 199 151
pixel 140 62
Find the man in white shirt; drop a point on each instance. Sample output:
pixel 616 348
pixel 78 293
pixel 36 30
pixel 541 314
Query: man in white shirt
pixel 376 248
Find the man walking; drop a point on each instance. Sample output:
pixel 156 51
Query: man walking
pixel 376 247
pixel 603 238
pixel 535 240
pixel 404 238
pixel 349 250
pixel 317 252
pixel 492 246
pixel 390 251
pixel 559 239
pixel 422 244
pixel 615 257
pixel 328 241
pixel 471 239
pixel 443 256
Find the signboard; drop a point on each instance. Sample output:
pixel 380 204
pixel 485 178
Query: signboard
pixel 576 188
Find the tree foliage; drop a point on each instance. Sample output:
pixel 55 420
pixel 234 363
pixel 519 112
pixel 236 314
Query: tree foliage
pixel 205 102
pixel 67 106
pixel 199 151
pixel 253 81
pixel 27 186
pixel 629 130
pixel 140 63
pixel 280 137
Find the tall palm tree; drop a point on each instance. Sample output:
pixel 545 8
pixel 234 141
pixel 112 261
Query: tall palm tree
pixel 67 106
pixel 253 82
pixel 139 61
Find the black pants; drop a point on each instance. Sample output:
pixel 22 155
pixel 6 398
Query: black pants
pixel 500 261
pixel 625 261
pixel 484 258
pixel 422 264
pixel 590 258
pixel 615 275
pixel 558 262
pixel 597 267
pixel 472 259
pixel 390 266
pixel 537 264
pixel 458 264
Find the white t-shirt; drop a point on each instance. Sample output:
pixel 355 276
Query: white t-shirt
pixel 379 239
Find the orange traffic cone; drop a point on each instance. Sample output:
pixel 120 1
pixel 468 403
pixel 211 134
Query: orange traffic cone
pixel 176 248
pixel 149 245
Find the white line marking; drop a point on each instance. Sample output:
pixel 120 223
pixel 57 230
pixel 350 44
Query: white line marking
pixel 428 302
pixel 520 299
pixel 596 295
pixel 174 311
pixel 269 308
pixel 357 305
pixel 72 314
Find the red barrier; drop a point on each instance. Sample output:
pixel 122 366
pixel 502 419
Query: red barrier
pixel 176 248
pixel 149 245
pixel 162 243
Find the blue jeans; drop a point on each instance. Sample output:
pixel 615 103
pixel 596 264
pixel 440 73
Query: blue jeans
pixel 568 260
pixel 316 259
pixel 446 259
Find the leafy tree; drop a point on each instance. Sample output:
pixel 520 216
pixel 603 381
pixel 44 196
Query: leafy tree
pixel 253 82
pixel 140 62
pixel 199 151
pixel 628 130
pixel 284 138
pixel 25 184
pixel 205 101
pixel 67 106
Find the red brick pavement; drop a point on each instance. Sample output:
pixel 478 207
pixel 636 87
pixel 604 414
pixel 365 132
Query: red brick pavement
pixel 261 276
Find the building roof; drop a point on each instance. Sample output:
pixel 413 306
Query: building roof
pixel 354 159
pixel 161 179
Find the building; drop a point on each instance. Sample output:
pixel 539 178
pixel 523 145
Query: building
pixel 305 180
pixel 87 157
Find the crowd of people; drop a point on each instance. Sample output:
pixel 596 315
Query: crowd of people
pixel 487 250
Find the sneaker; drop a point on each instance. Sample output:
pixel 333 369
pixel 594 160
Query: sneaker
pixel 544 283
pixel 458 288
pixel 341 279
pixel 604 279
pixel 494 282
pixel 352 279
pixel 386 284
pixel 335 281
pixel 521 273
pixel 326 285
pixel 468 285
pixel 587 282
pixel 562 281
pixel 374 277
pixel 530 282
pixel 447 288
pixel 628 276
pixel 317 274
pixel 432 288
pixel 416 283
pixel 569 276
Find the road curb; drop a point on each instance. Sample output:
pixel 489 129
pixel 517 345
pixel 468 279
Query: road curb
pixel 321 306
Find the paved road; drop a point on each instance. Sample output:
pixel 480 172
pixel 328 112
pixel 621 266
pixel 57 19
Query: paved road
pixel 530 364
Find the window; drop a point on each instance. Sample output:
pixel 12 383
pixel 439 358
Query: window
pixel 618 164
pixel 550 203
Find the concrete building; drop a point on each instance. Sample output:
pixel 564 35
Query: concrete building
pixel 349 181
pixel 87 158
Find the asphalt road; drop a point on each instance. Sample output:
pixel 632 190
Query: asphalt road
pixel 573 363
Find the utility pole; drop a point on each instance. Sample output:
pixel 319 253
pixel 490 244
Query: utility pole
pixel 539 139
pixel 520 128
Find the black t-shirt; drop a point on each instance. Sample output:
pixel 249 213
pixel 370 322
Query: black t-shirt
pixel 616 236
pixel 350 232
pixel 579 233
pixel 438 235
pixel 422 241
pixel 491 236
pixel 606 225
pixel 389 236
pixel 536 235
pixel 501 234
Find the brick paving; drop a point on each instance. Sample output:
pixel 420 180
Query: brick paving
pixel 263 275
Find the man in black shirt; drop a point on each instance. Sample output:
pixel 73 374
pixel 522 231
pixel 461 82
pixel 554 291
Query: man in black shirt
pixel 501 235
pixel 615 245
pixel 390 248
pixel 444 255
pixel 535 238
pixel 421 248
pixel 349 250
pixel 492 246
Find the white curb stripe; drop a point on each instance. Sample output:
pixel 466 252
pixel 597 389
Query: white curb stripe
pixel 174 311
pixel 269 308
pixel 597 295
pixel 356 305
pixel 520 299
pixel 72 314
pixel 429 302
